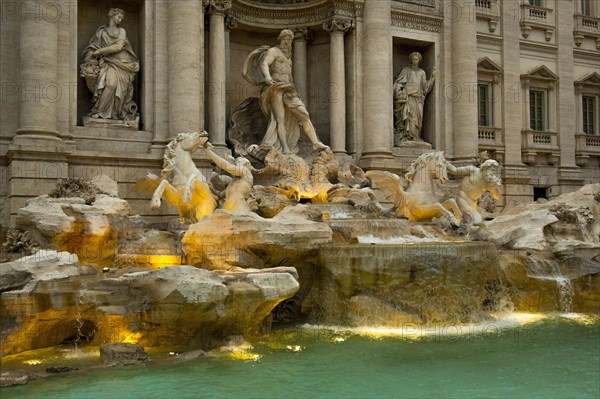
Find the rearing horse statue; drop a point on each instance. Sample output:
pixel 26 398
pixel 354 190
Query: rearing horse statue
pixel 181 183
pixel 420 201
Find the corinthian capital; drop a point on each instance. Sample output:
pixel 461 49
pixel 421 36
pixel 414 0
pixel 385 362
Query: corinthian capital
pixel 230 22
pixel 303 33
pixel 337 24
pixel 219 6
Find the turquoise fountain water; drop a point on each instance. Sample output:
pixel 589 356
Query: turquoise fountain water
pixel 551 358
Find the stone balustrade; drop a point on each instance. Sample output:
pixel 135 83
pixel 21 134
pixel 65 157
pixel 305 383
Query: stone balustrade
pixel 586 26
pixel 540 142
pixel 536 17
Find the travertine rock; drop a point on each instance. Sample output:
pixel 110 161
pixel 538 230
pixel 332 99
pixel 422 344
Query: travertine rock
pixel 574 217
pixel 122 354
pixel 71 225
pixel 179 305
pixel 244 239
pixel 106 185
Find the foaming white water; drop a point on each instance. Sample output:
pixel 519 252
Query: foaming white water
pixel 339 215
pixel 550 271
pixel 500 322
pixel 371 239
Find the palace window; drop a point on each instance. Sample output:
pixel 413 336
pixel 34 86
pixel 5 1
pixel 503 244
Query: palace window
pixel 484 106
pixel 586 7
pixel 537 110
pixel 537 3
pixel 587 91
pixel 588 107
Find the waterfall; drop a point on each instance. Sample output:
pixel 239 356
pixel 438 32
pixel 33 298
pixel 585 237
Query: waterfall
pixel 549 270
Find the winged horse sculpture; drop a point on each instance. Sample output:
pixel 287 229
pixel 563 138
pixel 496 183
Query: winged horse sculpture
pixel 419 202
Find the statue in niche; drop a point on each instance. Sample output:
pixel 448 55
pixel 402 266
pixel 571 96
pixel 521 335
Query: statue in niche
pixel 238 190
pixel 476 181
pixel 270 68
pixel 109 69
pixel 410 89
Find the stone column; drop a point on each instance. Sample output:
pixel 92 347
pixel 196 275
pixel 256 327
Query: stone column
pixel 38 65
pixel 337 27
pixel 216 72
pixel 464 76
pixel 378 80
pixel 230 24
pixel 185 52
pixel 300 63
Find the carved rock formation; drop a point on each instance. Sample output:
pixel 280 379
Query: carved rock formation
pixel 179 305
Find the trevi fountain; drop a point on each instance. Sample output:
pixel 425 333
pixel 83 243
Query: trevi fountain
pixel 290 273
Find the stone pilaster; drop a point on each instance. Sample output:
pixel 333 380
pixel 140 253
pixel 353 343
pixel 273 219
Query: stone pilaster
pixel 216 72
pixel 377 82
pixel 185 32
pixel 161 85
pixel 230 24
pixel 569 175
pixel 38 66
pixel 337 27
pixel 300 63
pixel 515 175
pixel 464 79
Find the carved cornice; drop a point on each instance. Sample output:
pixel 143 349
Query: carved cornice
pixel 219 6
pixel 335 24
pixel 489 39
pixel 428 23
pixel 539 47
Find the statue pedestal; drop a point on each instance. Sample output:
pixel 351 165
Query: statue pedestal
pixel 133 124
pixel 412 144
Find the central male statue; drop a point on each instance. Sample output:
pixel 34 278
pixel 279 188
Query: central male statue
pixel 271 69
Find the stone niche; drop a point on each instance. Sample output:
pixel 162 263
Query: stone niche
pixel 402 49
pixel 91 14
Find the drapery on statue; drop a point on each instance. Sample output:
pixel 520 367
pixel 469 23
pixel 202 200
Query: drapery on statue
pixel 410 89
pixel 271 69
pixel 109 68
pixel 475 183
pixel 240 187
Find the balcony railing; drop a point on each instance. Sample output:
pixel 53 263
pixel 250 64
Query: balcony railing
pixel 490 11
pixel 586 26
pixel 586 145
pixel 490 136
pixel 539 142
pixel 537 17
pixel 583 22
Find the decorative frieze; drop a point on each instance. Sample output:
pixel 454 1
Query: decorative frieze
pixel 489 39
pixel 269 15
pixel 425 23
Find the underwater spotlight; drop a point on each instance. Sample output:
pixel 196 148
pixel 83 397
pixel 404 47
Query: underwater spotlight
pixel 105 270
